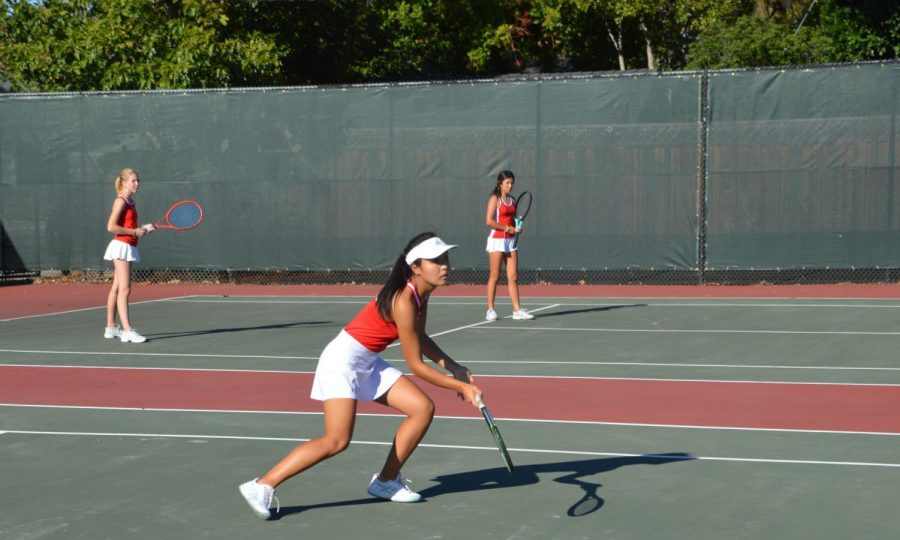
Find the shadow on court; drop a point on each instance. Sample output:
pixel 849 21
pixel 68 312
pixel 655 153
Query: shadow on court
pixel 545 315
pixel 288 510
pixel 171 335
pixel 498 478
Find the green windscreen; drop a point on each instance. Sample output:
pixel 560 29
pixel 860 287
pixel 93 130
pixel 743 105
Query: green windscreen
pixel 802 168
pixel 768 169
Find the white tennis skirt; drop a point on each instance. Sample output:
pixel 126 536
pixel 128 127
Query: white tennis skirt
pixel 118 249
pixel 506 245
pixel 346 369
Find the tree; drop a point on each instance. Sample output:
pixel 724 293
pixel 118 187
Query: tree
pixel 831 32
pixel 427 38
pixel 72 45
pixel 324 41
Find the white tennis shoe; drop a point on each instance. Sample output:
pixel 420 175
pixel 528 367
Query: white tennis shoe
pixel 132 336
pixel 491 315
pixel 110 333
pixel 522 315
pixel 259 497
pixel 393 490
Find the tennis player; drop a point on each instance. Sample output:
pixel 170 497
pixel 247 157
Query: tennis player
pixel 501 246
pixel 123 251
pixel 351 370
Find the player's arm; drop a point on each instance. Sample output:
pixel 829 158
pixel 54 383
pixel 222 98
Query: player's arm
pixel 432 351
pixel 413 342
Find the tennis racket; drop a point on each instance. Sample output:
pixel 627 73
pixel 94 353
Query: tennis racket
pixel 523 206
pixel 495 432
pixel 181 216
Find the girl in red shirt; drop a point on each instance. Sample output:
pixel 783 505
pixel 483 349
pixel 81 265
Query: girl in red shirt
pixel 351 369
pixel 501 247
pixel 122 251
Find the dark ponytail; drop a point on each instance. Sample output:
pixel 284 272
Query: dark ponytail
pixel 500 178
pixel 400 274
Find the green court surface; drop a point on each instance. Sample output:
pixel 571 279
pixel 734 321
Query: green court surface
pixel 110 472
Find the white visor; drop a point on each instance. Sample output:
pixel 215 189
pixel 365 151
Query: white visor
pixel 431 248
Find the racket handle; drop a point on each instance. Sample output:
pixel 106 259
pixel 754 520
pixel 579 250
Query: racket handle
pixel 479 401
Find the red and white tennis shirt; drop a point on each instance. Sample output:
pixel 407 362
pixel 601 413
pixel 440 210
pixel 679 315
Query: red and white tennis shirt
pixel 504 215
pixel 372 331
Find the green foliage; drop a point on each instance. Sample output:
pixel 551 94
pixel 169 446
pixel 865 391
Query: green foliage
pixel 831 33
pixel 72 45
pixel 65 45
pixel 435 38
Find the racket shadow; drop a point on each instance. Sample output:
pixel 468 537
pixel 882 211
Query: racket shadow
pixel 172 335
pixel 587 500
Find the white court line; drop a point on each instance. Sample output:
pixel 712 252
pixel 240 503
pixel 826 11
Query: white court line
pixel 532 299
pixel 448 301
pixel 466 447
pixel 269 302
pixel 188 355
pixel 402 361
pixel 506 376
pixel 326 302
pixel 473 325
pixel 159 368
pixel 445 417
pixel 697 331
pixel 674 365
pixel 692 304
pixel 86 309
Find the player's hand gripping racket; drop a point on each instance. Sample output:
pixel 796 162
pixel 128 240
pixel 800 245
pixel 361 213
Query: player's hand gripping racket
pixel 495 432
pixel 523 206
pixel 181 216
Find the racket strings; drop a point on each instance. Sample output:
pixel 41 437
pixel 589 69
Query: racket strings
pixel 523 204
pixel 184 215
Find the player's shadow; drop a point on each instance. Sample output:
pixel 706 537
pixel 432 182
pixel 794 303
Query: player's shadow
pixel 545 315
pixel 172 335
pixel 573 473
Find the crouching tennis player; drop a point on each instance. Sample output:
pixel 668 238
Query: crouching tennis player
pixel 351 369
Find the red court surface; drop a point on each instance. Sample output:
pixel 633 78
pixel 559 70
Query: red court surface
pixel 827 407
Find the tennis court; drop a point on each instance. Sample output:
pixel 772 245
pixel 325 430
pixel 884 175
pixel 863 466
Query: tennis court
pixel 690 416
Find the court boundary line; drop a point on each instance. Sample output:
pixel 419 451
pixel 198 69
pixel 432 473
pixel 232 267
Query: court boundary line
pixel 66 312
pixel 189 355
pixel 503 362
pixel 529 298
pixel 468 447
pixel 585 378
pixel 530 301
pixel 698 331
pixel 448 417
pixel 447 301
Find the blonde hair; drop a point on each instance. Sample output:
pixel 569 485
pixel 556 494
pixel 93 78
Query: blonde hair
pixel 123 175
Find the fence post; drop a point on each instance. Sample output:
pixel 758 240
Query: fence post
pixel 702 155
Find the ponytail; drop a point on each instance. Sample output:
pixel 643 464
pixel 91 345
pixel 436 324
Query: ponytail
pixel 120 180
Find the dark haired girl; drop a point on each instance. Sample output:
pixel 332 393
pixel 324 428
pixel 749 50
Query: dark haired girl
pixel 502 247
pixel 351 369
